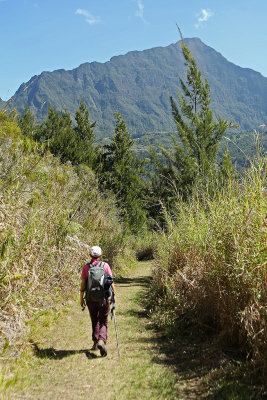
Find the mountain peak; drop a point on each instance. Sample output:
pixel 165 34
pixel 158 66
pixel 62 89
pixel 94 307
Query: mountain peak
pixel 138 85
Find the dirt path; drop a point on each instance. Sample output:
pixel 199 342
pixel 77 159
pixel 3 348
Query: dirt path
pixel 61 365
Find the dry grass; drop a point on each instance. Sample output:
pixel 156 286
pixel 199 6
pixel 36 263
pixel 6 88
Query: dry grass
pixel 49 213
pixel 211 268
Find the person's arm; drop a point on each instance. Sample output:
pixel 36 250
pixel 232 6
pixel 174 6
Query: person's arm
pixel 82 289
pixel 109 272
pixel 113 290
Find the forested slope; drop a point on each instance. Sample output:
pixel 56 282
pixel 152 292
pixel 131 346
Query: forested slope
pixel 2 103
pixel 138 85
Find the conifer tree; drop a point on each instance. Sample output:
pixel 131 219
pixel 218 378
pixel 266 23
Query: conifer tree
pixel 58 133
pixel 27 122
pixel 199 133
pixel 122 174
pixel 84 128
pixel 193 158
pixel 74 144
pixel 88 153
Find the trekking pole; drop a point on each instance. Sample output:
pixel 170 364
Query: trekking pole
pixel 113 316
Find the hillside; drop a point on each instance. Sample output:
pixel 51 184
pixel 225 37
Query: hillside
pixel 2 103
pixel 49 214
pixel 138 85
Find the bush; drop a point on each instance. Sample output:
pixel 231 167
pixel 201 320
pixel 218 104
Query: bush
pixel 145 246
pixel 214 276
pixel 49 215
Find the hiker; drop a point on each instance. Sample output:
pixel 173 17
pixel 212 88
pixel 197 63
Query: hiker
pixel 98 308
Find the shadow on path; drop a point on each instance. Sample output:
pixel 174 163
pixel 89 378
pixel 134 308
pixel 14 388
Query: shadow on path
pixel 143 281
pixel 54 354
pixel 196 360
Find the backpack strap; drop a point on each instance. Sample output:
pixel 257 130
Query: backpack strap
pixel 96 264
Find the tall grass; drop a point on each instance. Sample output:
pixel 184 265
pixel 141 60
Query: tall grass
pixel 50 214
pixel 211 266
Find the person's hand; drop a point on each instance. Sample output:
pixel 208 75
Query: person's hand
pixel 83 303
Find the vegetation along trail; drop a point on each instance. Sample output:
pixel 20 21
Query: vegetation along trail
pixel 61 366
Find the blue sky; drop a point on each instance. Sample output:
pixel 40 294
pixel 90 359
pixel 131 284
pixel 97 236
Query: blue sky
pixel 44 35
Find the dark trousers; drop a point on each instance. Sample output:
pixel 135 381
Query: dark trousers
pixel 99 318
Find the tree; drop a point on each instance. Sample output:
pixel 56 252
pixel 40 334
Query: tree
pixel 194 157
pixel 57 132
pixel 88 153
pixel 27 122
pixel 84 128
pixel 122 174
pixel 199 133
pixel 74 144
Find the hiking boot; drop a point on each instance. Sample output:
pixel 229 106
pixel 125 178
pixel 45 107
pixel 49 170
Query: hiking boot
pixel 94 347
pixel 101 346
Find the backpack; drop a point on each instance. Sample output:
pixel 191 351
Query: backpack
pixel 98 283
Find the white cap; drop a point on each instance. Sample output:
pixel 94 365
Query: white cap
pixel 95 251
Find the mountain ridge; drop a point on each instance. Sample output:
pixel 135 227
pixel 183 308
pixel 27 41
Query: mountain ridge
pixel 2 103
pixel 138 85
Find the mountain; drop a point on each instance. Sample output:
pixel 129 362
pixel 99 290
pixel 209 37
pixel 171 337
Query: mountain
pixel 138 85
pixel 2 103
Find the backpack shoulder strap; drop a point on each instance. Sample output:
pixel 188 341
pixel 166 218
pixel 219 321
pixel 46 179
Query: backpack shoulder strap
pixel 96 264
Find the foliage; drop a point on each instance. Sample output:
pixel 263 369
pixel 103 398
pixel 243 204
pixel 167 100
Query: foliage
pixel 193 160
pixel 214 277
pixel 68 142
pixel 122 173
pixel 27 122
pixel 118 168
pixel 226 170
pixel 49 214
pixel 84 129
pixel 57 133
pixel 145 246
pixel 199 133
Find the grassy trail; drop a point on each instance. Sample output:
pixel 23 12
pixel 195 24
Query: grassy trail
pixel 61 366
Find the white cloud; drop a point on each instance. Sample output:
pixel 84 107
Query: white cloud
pixel 203 16
pixel 140 12
pixel 89 18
